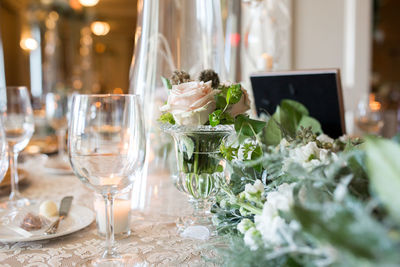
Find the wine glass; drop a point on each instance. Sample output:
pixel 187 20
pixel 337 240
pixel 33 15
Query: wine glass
pixel 368 117
pixel 106 145
pixel 56 114
pixel 3 152
pixel 18 125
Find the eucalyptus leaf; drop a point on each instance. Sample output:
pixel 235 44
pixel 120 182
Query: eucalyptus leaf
pixel 384 172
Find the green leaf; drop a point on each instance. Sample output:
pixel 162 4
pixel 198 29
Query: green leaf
pixel 221 101
pixel 166 82
pixel 256 154
pixel 300 108
pixel 307 121
pixel 384 172
pixel 226 118
pixel 291 115
pixel 214 117
pixel 229 95
pixel 167 118
pixel 248 127
pixel 273 133
pixel 234 94
pixel 229 152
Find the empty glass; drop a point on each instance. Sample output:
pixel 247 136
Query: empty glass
pixel 56 114
pixel 106 145
pixel 18 125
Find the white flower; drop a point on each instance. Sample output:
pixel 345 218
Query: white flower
pixel 255 188
pixel 284 143
pixel 325 139
pixel 344 138
pixel 269 223
pixel 245 225
pixel 281 199
pixel 309 156
pixel 270 226
pixel 191 103
pixel 251 238
pixel 304 153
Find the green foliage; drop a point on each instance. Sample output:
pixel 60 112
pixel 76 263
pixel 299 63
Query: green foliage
pixel 233 94
pixel 384 172
pixel 337 214
pixel 248 127
pixel 220 117
pixel 345 226
pixel 166 82
pixel 167 118
pixel 215 117
pixel 287 120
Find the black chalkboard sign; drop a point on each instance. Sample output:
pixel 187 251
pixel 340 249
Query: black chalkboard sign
pixel 319 90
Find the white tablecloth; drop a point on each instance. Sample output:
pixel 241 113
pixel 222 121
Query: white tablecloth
pixel 154 235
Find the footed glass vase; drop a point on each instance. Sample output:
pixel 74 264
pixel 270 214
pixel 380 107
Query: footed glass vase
pixel 200 169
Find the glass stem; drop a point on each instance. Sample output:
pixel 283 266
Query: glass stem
pixel 109 251
pixel 14 175
pixel 61 143
pixel 201 210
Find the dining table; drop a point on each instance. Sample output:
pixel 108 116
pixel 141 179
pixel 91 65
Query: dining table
pixel 154 236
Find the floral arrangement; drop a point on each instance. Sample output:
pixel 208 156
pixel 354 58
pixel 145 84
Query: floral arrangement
pixel 205 101
pixel 309 200
pixel 201 115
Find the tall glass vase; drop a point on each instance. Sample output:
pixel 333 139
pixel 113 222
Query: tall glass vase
pixel 257 38
pixel 171 34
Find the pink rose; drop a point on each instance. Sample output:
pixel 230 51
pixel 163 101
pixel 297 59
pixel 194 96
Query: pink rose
pixel 242 106
pixel 191 103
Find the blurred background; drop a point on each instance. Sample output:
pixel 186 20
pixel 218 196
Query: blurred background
pixel 87 46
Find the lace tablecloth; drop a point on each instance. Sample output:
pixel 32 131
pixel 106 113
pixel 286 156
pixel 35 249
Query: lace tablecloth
pixel 153 237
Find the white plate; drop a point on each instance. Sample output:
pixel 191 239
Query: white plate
pixel 78 218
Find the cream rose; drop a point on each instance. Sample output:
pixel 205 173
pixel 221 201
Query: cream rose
pixel 242 106
pixel 191 103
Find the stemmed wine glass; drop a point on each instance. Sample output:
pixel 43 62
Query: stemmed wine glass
pixel 3 152
pixel 18 125
pixel 56 114
pixel 106 145
pixel 368 117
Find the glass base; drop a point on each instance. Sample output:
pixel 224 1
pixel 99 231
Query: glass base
pixel 117 236
pixel 117 261
pixel 196 227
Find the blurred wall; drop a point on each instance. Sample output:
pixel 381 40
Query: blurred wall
pixel 335 34
pixel 16 61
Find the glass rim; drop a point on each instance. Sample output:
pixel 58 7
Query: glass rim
pixel 107 95
pixel 170 128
